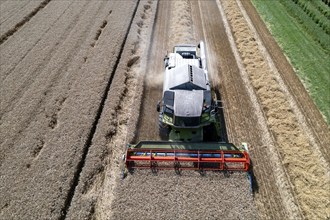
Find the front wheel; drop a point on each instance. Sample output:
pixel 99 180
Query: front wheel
pixel 164 129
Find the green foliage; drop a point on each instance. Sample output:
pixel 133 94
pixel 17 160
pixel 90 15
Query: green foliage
pixel 322 8
pixel 313 22
pixel 298 27
pixel 327 2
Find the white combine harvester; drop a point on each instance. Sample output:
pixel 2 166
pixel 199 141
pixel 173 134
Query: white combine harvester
pixel 189 123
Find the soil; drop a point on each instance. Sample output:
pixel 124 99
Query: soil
pixel 13 13
pixel 80 80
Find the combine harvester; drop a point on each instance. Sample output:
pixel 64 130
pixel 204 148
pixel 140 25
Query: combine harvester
pixel 189 122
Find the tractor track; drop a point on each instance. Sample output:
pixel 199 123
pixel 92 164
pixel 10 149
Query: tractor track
pixel 79 89
pixel 96 120
pixel 238 107
pixel 20 24
pixel 56 71
pixel 188 186
pixel 147 128
pixel 9 61
pixel 27 81
pixel 269 187
pixel 9 11
pixel 294 144
pixel 121 111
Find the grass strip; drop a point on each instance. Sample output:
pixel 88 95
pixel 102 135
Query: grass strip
pixel 307 55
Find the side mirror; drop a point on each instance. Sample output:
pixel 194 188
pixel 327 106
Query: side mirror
pixel 158 107
pixel 166 61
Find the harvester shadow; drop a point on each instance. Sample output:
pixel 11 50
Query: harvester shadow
pixel 224 137
pixel 224 134
pixel 253 179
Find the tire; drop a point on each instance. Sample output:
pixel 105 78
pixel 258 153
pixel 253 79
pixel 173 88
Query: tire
pixel 164 129
pixel 209 133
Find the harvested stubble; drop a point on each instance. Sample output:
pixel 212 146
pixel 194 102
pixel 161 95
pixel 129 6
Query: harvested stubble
pixel 165 195
pixel 13 14
pixel 144 195
pixel 305 167
pixel 43 149
pixel 45 132
pixel 94 193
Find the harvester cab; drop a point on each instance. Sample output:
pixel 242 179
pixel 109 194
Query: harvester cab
pixel 187 111
pixel 189 122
